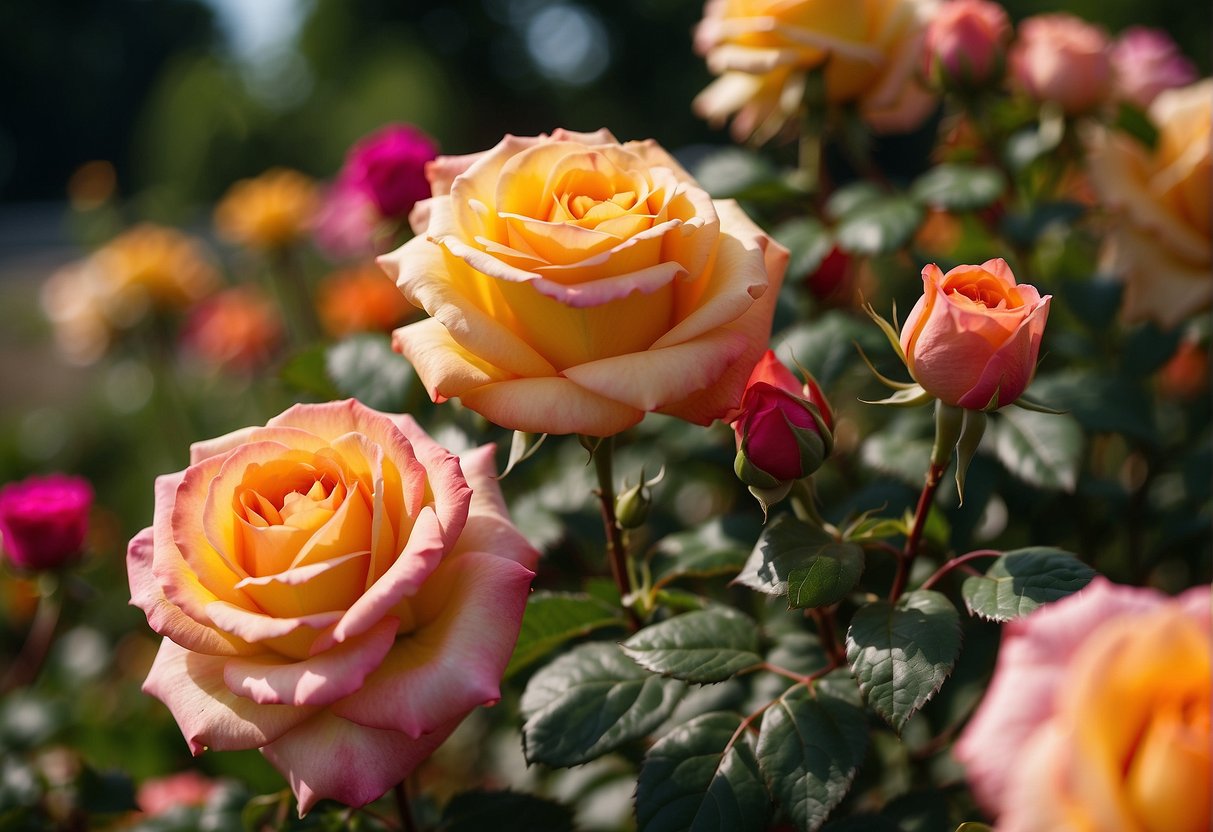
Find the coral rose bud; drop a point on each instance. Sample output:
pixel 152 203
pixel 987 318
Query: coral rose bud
pixel 784 428
pixel 1098 716
pixel 973 337
pixel 965 42
pixel 1145 62
pixel 43 520
pixel 1062 59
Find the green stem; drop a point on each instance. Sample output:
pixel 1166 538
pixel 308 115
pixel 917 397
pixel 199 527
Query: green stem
pixel 295 296
pixel 617 556
pixel 804 503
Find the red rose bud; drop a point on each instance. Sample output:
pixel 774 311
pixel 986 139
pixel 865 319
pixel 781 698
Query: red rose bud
pixel 783 428
pixel 43 520
pixel 832 276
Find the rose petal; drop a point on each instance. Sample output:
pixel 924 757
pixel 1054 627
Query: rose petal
pixel 550 405
pixel 330 758
pixel 319 680
pixel 1010 369
pixel 210 715
pixel 445 368
pixel 473 607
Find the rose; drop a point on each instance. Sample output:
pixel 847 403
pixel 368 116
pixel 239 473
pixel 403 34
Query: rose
pixel 269 211
pixel 973 337
pixel 360 299
pixel 335 589
pixel 237 329
pixel 763 50
pixel 1098 716
pixel 576 283
pixel 388 166
pixel 783 429
pixel 1145 62
pixel 1063 59
pixel 43 520
pixel 1159 198
pixel 161 795
pixel 965 41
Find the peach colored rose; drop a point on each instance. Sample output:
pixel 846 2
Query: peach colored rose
pixel 1063 59
pixel 575 283
pixel 762 50
pixel 334 589
pixel 1098 716
pixel 966 40
pixel 973 337
pixel 268 211
pixel 1159 198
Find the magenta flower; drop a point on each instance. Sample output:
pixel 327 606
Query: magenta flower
pixel 388 167
pixel 43 520
pixel 1145 62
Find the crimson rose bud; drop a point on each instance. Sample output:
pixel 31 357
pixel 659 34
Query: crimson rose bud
pixel 388 167
pixel 783 428
pixel 43 520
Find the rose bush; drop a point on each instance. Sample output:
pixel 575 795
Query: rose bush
pixel 1160 201
pixel 1063 59
pixel 973 337
pixel 575 283
pixel 334 589
pixel 762 51
pixel 1098 716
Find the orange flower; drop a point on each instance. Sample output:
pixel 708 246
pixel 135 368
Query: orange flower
pixel 237 329
pixel 361 299
pixel 267 212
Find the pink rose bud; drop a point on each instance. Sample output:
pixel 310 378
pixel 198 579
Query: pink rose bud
pixel 784 427
pixel 161 795
pixel 1145 62
pixel 965 42
pixel 973 337
pixel 43 520
pixel 1062 59
pixel 388 166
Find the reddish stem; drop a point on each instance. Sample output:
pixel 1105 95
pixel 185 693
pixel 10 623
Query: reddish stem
pixel 958 561
pixel 910 551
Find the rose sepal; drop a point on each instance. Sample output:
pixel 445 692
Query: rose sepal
pixel 913 396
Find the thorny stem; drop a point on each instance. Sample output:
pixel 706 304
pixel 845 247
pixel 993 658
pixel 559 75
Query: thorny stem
pixel 798 678
pixel 910 551
pixel 617 555
pixel 25 668
pixel 828 636
pixel 958 561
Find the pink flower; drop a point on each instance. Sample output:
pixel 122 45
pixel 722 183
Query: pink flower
pixel 1063 59
pixel 783 429
pixel 334 589
pixel 965 41
pixel 1098 715
pixel 346 225
pixel 43 520
pixel 973 337
pixel 163 794
pixel 1145 62
pixel 388 167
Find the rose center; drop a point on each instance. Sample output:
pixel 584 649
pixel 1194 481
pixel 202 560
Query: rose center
pixel 303 499
pixel 986 291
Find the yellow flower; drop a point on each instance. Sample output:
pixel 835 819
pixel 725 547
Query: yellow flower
pixel 270 211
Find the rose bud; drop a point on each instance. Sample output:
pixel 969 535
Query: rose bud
pixel 784 427
pixel 43 520
pixel 1145 62
pixel 965 43
pixel 1063 59
pixel 388 166
pixel 973 337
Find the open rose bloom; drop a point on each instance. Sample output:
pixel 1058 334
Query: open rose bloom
pixel 1161 206
pixel 1098 716
pixel 871 52
pixel 334 589
pixel 974 335
pixel 576 283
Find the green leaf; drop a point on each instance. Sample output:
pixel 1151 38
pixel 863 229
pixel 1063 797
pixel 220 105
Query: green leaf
pixel 807 241
pixel 809 748
pixel 959 187
pixel 105 792
pixel 552 618
pixel 786 544
pixel 1022 580
pixel 1102 402
pixel 689 782
pixel 733 173
pixel 590 701
pixel 1041 449
pixel 901 654
pixel 504 811
pixel 305 372
pixel 826 576
pixel 365 367
pixel 705 646
pixel 880 226
pixel 851 198
pixel 824 346
pixel 718 547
